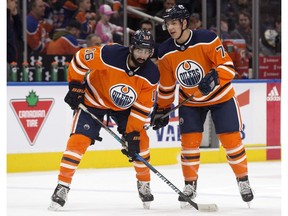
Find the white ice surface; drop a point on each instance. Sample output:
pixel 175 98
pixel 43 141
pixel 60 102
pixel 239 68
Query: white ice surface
pixel 113 192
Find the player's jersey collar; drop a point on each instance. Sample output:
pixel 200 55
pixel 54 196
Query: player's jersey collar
pixel 130 71
pixel 184 46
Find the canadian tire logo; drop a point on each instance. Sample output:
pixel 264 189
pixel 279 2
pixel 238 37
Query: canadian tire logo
pixel 31 113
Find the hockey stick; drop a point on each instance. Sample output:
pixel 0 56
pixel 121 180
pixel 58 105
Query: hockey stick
pixel 146 127
pixel 199 207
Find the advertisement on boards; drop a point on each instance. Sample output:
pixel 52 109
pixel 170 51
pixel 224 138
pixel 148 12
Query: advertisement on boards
pixel 40 120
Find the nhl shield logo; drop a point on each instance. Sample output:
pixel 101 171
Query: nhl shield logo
pixel 31 114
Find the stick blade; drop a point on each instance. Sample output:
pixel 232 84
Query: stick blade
pixel 207 207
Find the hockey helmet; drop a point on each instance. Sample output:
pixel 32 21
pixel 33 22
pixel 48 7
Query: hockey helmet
pixel 143 39
pixel 176 12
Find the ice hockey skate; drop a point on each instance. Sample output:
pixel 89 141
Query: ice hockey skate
pixel 59 197
pixel 245 190
pixel 190 191
pixel 145 193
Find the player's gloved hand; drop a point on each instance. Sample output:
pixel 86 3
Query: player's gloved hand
pixel 156 117
pixel 75 95
pixel 208 83
pixel 132 141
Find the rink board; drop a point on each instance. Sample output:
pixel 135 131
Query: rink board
pixel 39 126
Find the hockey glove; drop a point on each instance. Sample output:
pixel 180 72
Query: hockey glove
pixel 156 117
pixel 75 95
pixel 132 141
pixel 208 83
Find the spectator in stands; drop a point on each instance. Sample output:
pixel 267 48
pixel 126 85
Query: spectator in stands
pixel 228 9
pixel 193 6
pixel 104 28
pixel 85 17
pixel 37 28
pixel 93 40
pixel 167 4
pixel 15 45
pixel 244 5
pixel 224 28
pixel 270 40
pixel 244 31
pixel 65 42
pixel 195 21
pixel 63 12
pixel 147 25
pixel 161 35
pixel 139 5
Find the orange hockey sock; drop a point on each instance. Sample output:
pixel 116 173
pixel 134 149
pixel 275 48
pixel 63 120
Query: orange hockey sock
pixel 190 155
pixel 142 171
pixel 235 153
pixel 76 147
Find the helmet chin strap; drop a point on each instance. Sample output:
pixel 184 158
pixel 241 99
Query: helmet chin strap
pixel 182 30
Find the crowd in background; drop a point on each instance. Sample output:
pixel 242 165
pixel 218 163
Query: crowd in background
pixel 62 27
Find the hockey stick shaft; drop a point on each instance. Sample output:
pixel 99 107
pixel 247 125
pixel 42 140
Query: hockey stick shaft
pixel 176 107
pixel 146 127
pixel 200 207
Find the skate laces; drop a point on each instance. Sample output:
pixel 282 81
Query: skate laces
pixel 244 187
pixel 144 188
pixel 189 190
pixel 62 192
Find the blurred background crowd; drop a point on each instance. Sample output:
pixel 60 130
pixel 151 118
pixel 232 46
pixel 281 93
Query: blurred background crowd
pixel 42 32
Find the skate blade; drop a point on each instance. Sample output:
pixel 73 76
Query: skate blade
pixel 54 206
pixel 146 205
pixel 249 204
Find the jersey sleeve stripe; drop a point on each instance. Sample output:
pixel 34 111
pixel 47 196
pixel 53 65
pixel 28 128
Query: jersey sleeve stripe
pixel 140 111
pixel 227 69
pixel 137 116
pixel 92 101
pixel 75 68
pixel 170 88
pixel 93 92
pixel 142 107
pixel 79 62
pixel 166 97
pixel 216 98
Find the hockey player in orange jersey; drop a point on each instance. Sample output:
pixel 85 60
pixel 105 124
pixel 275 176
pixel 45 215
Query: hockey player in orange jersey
pixel 197 60
pixel 117 81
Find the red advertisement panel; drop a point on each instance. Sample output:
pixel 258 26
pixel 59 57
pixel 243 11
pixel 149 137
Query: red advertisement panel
pixel 236 50
pixel 273 120
pixel 270 67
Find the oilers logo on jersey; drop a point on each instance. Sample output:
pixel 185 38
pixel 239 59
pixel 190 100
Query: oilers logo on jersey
pixel 189 73
pixel 122 96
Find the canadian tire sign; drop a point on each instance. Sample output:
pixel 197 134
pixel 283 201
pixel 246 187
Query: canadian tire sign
pixel 31 114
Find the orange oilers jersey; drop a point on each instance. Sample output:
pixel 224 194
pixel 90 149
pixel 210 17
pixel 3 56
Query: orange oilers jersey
pixel 188 63
pixel 110 83
pixel 65 45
